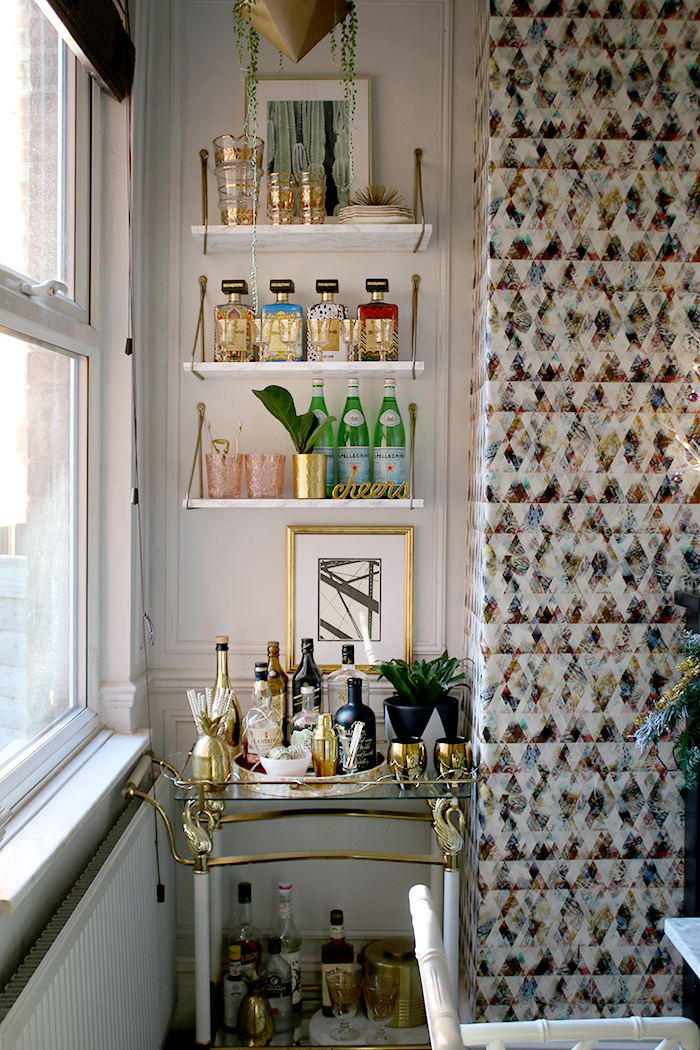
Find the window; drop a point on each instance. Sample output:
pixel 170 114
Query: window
pixel 45 343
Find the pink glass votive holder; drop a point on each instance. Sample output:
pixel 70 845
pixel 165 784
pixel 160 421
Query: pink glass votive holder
pixel 224 475
pixel 264 474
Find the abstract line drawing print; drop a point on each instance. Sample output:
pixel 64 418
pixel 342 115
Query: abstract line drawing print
pixel 349 589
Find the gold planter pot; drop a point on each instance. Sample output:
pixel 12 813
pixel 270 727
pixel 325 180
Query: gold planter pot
pixel 309 476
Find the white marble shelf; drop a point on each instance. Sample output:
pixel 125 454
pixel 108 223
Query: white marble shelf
pixel 684 934
pixel 234 369
pixel 325 237
pixel 291 504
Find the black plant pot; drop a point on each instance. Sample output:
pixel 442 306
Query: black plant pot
pixel 429 723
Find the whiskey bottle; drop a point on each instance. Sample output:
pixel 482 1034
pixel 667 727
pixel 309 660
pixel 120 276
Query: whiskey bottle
pixel 337 956
pixel 245 933
pixel 353 439
pixel 276 985
pixel 290 940
pixel 349 715
pixel 277 681
pixel 338 680
pixel 222 682
pixel 307 673
pixel 389 455
pixel 334 313
pixel 233 323
pixel 279 312
pixel 367 312
pixel 318 406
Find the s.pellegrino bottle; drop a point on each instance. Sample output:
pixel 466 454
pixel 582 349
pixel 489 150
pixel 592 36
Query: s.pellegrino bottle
pixel 389 456
pixel 290 940
pixel 245 933
pixel 325 447
pixel 353 439
pixel 349 715
pixel 307 673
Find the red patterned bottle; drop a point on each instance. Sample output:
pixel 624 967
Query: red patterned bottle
pixel 367 312
pixel 233 322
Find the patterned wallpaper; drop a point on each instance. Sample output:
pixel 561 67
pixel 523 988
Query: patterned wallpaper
pixel 594 198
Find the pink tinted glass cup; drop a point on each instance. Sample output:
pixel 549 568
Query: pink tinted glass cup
pixel 224 475
pixel 264 474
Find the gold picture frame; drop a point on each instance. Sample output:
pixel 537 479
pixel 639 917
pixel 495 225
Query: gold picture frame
pixel 343 579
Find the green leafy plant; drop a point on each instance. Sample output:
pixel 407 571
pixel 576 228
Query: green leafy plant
pixel 425 683
pixel 680 704
pixel 305 431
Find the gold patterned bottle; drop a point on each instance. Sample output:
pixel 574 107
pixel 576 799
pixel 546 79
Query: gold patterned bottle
pixel 233 323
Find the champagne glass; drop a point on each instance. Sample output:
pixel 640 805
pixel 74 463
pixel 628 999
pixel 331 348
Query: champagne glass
pixel 344 990
pixel 290 334
pixel 350 332
pixel 380 998
pixel 317 337
pixel 262 333
pixel 384 334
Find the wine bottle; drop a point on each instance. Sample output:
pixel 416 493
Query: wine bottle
pixel 326 448
pixel 246 934
pixel 232 731
pixel 349 715
pixel 233 323
pixel 338 680
pixel 337 956
pixel 367 312
pixel 389 456
pixel 353 439
pixel 290 939
pixel 307 673
pixel 277 681
pixel 334 312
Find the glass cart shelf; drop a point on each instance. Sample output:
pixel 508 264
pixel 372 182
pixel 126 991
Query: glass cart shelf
pixel 325 237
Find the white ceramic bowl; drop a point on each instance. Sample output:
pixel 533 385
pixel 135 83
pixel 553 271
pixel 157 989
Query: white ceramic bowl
pixel 285 767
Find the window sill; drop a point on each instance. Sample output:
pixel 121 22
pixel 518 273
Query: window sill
pixel 40 832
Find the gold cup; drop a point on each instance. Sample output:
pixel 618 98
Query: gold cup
pixel 407 758
pixel 453 757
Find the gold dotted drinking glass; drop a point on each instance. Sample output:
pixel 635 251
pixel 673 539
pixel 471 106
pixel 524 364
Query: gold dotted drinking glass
pixel 317 337
pixel 290 334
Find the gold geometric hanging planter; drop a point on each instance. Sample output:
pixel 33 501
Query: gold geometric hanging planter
pixel 294 26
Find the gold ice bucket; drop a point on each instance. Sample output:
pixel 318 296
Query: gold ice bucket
pixel 395 957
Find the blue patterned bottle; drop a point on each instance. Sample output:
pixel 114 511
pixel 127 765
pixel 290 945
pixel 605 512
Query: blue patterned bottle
pixel 278 311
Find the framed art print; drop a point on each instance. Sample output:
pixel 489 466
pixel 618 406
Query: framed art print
pixel 347 584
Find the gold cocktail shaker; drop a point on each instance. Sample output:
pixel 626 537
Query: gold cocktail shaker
pixel 324 747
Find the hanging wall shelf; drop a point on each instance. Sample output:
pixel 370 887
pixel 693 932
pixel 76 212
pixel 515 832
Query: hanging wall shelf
pixel 320 504
pixel 235 369
pixel 326 237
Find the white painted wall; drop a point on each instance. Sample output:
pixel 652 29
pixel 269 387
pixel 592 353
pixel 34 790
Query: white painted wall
pixel 212 572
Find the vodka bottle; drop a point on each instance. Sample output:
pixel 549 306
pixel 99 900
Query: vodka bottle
pixel 353 439
pixel 389 456
pixel 318 405
pixel 290 939
pixel 276 985
pixel 338 680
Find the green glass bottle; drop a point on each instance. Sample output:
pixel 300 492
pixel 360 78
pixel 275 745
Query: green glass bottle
pixel 389 439
pixel 318 406
pixel 353 439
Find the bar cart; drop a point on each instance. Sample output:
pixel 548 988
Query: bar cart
pixel 206 807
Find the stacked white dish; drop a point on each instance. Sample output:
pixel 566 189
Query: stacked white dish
pixel 377 213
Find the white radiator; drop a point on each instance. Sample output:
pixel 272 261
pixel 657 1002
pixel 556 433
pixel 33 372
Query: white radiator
pixel 102 975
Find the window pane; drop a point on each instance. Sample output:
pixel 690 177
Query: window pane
pixel 37 528
pixel 32 131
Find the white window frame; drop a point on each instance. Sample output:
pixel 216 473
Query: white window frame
pixel 62 323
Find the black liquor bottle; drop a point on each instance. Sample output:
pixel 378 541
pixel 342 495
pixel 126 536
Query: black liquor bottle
pixel 349 715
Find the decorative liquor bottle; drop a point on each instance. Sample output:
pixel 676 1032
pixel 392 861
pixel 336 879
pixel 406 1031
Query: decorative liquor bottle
pixel 233 323
pixel 355 711
pixel 246 934
pixel 334 313
pixel 280 312
pixel 222 682
pixel 277 681
pixel 263 724
pixel 318 405
pixel 367 312
pixel 353 439
pixel 337 956
pixel 338 680
pixel 290 940
pixel 307 673
pixel 389 456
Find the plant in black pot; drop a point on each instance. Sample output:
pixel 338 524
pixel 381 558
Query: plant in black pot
pixel 422 704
